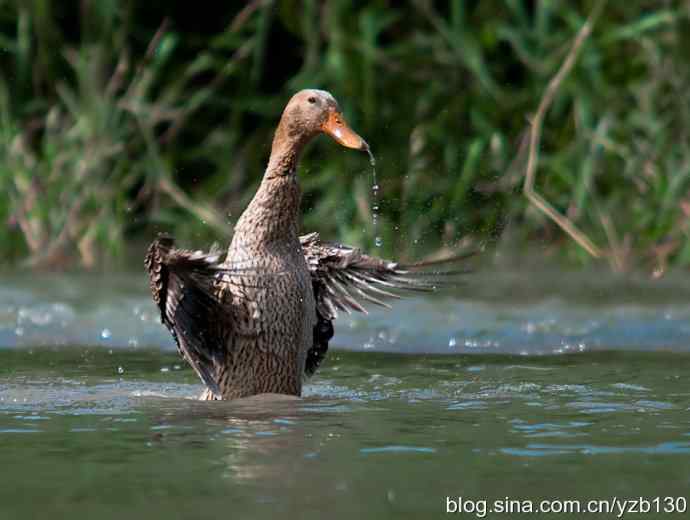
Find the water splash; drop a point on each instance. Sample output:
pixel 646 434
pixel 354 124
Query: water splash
pixel 375 208
pixel 37 311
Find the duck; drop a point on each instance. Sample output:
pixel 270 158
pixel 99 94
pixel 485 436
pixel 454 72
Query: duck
pixel 259 320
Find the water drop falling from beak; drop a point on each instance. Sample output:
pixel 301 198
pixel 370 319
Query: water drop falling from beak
pixel 378 241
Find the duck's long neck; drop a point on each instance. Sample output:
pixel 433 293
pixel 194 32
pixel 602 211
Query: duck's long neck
pixel 272 216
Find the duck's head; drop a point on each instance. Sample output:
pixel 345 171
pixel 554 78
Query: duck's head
pixel 312 111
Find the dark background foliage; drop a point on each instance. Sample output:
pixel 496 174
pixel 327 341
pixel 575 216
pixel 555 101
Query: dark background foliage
pixel 119 119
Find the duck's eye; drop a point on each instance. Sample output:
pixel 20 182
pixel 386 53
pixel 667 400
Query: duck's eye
pixel 312 100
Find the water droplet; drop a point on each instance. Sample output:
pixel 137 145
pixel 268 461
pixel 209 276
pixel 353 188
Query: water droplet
pixel 106 334
pixel 120 370
pixel 375 199
pixel 372 161
pixel 452 342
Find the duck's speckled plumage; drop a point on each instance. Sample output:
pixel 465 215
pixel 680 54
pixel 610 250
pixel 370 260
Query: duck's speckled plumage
pixel 261 320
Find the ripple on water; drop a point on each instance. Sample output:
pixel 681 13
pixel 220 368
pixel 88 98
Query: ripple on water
pixel 628 386
pixel 467 405
pixel 596 407
pixel 654 405
pixel 545 450
pixel 326 408
pixel 560 429
pixel 398 449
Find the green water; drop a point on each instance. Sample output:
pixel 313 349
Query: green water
pixel 538 397
pixel 377 435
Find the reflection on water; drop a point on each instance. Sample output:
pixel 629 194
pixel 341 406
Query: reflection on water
pixel 96 424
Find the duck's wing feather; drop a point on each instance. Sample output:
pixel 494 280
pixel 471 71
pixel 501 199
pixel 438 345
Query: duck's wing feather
pixel 345 279
pixel 182 285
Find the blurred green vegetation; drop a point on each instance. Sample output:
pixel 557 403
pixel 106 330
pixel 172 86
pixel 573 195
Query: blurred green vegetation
pixel 119 119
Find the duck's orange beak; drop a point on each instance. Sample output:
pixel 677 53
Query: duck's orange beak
pixel 337 128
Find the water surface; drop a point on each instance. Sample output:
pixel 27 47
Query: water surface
pixel 529 385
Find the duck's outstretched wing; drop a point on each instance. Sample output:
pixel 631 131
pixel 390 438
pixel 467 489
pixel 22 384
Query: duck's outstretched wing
pixel 182 285
pixel 345 279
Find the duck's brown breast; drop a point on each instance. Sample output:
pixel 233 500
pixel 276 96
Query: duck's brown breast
pixel 273 319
